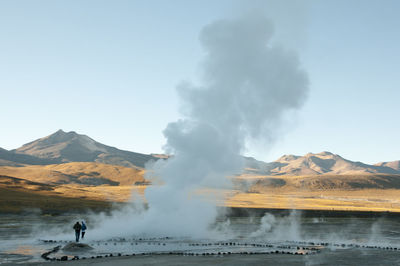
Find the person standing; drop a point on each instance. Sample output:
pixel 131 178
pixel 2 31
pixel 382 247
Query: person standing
pixel 77 228
pixel 83 229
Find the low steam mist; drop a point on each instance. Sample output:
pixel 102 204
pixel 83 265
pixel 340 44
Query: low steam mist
pixel 247 86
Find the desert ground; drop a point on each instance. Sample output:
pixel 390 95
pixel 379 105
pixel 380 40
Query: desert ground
pixel 83 187
pixel 339 258
pixel 79 186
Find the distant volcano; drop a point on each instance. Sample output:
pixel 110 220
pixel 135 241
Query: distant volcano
pixel 63 147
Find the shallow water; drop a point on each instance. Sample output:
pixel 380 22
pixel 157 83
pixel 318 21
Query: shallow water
pixel 25 238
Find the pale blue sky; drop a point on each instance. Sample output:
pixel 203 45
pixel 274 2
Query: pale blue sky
pixel 108 69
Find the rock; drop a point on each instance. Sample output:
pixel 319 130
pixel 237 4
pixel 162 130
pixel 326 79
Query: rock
pixel 54 250
pixel 76 247
pixel 63 258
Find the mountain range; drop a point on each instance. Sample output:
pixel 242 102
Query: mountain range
pixel 67 171
pixel 65 147
pixel 319 164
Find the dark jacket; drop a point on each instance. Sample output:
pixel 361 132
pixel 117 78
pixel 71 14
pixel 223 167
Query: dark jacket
pixel 77 227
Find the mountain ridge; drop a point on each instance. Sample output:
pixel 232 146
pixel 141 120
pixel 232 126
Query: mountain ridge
pixel 65 147
pixel 322 163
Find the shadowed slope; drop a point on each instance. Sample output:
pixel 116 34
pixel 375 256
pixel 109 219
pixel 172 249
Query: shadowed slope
pixel 14 159
pixel 395 165
pixel 19 195
pixel 325 182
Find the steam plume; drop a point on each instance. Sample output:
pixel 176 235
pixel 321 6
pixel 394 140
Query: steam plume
pixel 247 86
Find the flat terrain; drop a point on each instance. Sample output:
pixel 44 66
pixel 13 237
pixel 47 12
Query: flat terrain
pixel 367 192
pixel 339 257
pixel 95 185
pixel 357 200
pixel 15 201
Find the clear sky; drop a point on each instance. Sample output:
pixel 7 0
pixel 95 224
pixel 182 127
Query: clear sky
pixel 109 69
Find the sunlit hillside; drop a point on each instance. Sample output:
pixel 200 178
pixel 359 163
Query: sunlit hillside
pixel 72 166
pixel 90 181
pixel 84 173
pixel 96 185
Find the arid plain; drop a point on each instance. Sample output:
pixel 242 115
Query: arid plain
pixel 42 174
pixel 21 194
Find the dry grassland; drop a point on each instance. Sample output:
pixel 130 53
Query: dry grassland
pixel 356 200
pixel 77 172
pixel 67 186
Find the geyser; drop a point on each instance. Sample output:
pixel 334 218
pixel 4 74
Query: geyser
pixel 247 86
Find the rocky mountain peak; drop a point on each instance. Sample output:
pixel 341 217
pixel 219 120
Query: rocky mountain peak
pixel 60 136
pixel 287 158
pixel 325 153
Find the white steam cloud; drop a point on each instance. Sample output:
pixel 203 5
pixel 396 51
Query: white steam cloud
pixel 248 85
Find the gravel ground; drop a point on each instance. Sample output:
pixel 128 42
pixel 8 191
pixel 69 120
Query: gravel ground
pixel 328 257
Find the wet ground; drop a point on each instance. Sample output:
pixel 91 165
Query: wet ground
pixel 291 240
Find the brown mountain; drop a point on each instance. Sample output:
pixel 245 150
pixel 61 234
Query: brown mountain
pixel 64 147
pixel 318 164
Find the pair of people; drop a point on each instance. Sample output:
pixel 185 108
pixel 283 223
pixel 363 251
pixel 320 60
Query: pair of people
pixel 78 228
